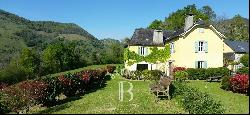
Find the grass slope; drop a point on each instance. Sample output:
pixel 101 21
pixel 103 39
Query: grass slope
pixel 233 102
pixel 106 100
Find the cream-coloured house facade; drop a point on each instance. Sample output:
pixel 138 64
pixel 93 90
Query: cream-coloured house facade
pixel 197 45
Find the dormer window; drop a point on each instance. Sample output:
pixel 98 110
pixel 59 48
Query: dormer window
pixel 201 30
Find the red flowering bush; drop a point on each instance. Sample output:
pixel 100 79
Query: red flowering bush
pixel 239 83
pixel 27 93
pixel 64 81
pixel 24 94
pixel 179 69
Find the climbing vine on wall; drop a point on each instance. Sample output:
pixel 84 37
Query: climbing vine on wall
pixel 156 55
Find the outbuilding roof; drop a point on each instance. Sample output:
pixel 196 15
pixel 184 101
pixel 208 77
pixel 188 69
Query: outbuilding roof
pixel 238 46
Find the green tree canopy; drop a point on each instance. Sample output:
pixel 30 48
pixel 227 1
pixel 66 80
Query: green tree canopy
pixel 207 10
pixel 30 61
pixel 156 25
pixel 238 29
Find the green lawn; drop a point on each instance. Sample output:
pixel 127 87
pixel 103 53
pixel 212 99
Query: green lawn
pixel 106 100
pixel 233 102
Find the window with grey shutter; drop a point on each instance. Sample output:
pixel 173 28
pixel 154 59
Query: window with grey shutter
pixel 206 46
pixel 205 64
pixel 196 46
pixel 145 51
pixel 196 64
pixel 139 50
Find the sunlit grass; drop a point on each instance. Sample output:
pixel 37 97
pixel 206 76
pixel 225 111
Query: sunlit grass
pixel 106 100
pixel 233 102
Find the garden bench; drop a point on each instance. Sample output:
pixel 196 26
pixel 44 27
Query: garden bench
pixel 161 89
pixel 214 78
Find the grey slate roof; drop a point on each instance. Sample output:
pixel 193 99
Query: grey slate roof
pixel 238 46
pixel 144 37
pixel 180 31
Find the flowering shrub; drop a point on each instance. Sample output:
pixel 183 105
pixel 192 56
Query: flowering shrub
pixel 24 94
pixel 240 83
pixel 179 69
pixel 44 90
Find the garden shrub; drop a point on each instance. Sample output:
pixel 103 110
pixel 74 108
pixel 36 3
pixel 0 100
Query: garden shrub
pixel 243 70
pixel 23 95
pixel 146 74
pixel 125 73
pixel 194 101
pixel 155 75
pixel 152 74
pixel 240 83
pixel 138 75
pixel 119 69
pixel 44 90
pixel 202 73
pixel 225 83
pixel 245 60
pixel 181 75
pixel 179 69
pixel 111 68
pixel 3 85
pixel 198 73
pixel 223 71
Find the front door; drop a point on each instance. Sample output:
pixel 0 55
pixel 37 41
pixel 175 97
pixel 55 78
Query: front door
pixel 142 67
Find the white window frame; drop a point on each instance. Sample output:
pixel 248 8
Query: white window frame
pixel 142 51
pixel 201 64
pixel 201 46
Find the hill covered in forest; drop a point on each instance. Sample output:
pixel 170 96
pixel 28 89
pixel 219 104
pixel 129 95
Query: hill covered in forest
pixel 17 33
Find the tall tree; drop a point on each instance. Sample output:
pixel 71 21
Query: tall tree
pixel 176 19
pixel 30 61
pixel 207 10
pixel 238 29
pixel 156 25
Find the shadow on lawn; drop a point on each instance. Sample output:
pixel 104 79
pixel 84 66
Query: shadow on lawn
pixel 62 104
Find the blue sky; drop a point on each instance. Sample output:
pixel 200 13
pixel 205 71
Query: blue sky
pixel 114 18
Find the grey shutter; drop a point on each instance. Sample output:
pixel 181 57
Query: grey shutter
pixel 205 64
pixel 206 46
pixel 196 64
pixel 173 48
pixel 139 50
pixel 196 46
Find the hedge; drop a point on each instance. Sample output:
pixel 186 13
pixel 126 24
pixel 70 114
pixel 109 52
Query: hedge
pixel 25 94
pixel 203 74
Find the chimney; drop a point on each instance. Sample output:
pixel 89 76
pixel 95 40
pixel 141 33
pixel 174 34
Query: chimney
pixel 188 21
pixel 158 37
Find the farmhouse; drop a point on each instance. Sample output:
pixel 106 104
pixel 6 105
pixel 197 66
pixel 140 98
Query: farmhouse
pixel 196 45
